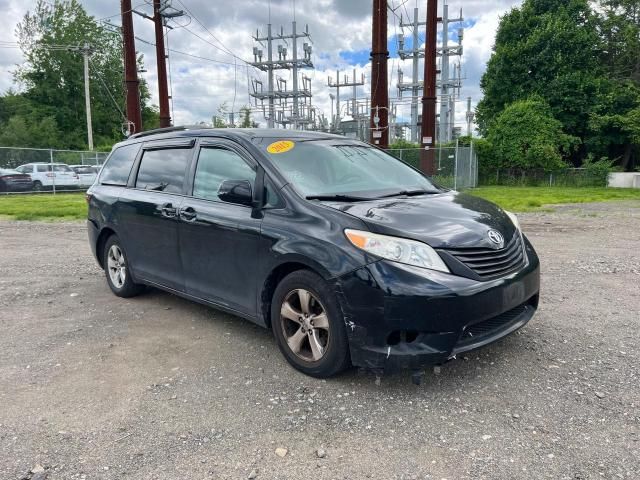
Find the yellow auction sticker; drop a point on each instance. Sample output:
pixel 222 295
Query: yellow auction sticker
pixel 281 146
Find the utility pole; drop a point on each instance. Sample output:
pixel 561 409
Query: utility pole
pixel 86 51
pixel 379 117
pixel 448 84
pixel 427 158
pixel 346 83
pixel 302 113
pixel 161 59
pixel 414 53
pixel 134 116
pixel 470 116
pixel 332 97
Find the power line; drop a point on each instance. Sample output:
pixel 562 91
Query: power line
pixel 226 49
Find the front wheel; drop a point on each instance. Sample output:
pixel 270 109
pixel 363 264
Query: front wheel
pixel 116 268
pixel 37 186
pixel 308 325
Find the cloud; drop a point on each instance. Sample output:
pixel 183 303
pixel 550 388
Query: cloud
pixel 340 31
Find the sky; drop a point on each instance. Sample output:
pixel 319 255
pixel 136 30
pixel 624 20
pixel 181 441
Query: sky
pixel 221 33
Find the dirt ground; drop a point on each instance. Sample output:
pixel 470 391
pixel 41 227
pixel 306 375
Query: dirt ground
pixel 93 386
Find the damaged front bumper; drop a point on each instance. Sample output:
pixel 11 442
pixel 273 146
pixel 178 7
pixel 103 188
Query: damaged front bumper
pixel 399 316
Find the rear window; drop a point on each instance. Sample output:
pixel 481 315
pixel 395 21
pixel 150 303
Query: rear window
pixel 84 170
pixel 118 166
pixel 163 170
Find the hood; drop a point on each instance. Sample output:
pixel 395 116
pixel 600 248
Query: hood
pixel 446 220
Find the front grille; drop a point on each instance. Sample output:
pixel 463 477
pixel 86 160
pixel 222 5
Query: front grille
pixel 488 328
pixel 488 263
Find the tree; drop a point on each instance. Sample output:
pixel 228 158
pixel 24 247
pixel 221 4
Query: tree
pixel 527 136
pixel 219 120
pixel 245 117
pixel 52 80
pixel 580 59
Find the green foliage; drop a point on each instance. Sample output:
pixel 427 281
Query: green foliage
pixel 245 117
pixel 49 207
pixel 525 135
pixel 525 199
pixel 52 80
pixel 579 57
pixel 401 143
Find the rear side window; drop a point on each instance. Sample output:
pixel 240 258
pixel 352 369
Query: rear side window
pixel 215 165
pixel 163 170
pixel 118 167
pixel 43 168
pixel 62 168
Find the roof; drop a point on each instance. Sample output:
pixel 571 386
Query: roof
pixel 198 131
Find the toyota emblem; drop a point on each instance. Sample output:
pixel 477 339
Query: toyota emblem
pixel 496 237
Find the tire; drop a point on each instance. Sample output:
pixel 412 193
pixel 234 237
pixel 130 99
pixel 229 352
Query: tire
pixel 116 269
pixel 298 323
pixel 37 186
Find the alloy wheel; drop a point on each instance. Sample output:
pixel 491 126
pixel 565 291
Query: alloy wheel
pixel 305 325
pixel 116 266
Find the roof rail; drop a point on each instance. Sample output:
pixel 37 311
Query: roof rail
pixel 165 130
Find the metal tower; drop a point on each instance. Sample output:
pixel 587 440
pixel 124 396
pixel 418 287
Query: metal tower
pixel 448 85
pixel 299 113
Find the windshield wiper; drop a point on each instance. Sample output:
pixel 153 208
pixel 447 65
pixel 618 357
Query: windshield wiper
pixel 410 193
pixel 339 197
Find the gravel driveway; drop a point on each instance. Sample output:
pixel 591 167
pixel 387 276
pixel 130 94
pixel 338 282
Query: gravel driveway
pixel 156 387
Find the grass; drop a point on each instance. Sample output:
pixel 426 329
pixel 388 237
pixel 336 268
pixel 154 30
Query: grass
pixel 527 199
pixel 72 206
pixel 44 206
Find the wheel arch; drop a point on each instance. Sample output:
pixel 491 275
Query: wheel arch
pixel 105 233
pixel 276 275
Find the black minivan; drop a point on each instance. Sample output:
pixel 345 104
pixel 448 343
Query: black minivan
pixel 349 255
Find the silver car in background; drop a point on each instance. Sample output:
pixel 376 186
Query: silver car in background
pixel 87 174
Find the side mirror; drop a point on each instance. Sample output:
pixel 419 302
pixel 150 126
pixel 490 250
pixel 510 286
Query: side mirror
pixel 236 191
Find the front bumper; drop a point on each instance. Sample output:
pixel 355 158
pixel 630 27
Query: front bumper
pixel 399 316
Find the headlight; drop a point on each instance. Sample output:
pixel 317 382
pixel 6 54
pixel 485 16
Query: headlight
pixel 397 249
pixel 514 219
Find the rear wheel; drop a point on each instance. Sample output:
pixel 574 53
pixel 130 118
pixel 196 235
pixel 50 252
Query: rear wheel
pixel 116 268
pixel 308 325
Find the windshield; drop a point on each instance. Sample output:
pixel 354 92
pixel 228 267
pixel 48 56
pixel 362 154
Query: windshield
pixel 326 168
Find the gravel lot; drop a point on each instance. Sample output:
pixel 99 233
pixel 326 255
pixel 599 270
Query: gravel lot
pixel 92 386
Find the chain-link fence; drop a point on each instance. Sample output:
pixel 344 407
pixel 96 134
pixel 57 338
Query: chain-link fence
pixel 456 167
pixel 13 157
pixel 49 169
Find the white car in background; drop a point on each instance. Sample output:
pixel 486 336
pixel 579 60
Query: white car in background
pixel 87 174
pixel 45 175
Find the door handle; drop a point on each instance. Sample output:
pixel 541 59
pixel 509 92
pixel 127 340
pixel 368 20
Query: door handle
pixel 168 210
pixel 188 214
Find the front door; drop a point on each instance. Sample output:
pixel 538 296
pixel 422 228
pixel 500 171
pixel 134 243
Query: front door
pixel 219 240
pixel 148 215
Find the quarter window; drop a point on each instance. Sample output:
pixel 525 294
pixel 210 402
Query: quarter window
pixel 163 170
pixel 215 165
pixel 118 166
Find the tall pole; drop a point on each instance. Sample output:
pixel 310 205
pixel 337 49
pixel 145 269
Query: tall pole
pixel 379 81
pixel 130 69
pixel 427 159
pixel 416 88
pixel 445 109
pixel 161 61
pixel 295 75
pixel 86 50
pixel 272 112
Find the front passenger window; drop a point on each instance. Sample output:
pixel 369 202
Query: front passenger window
pixel 215 165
